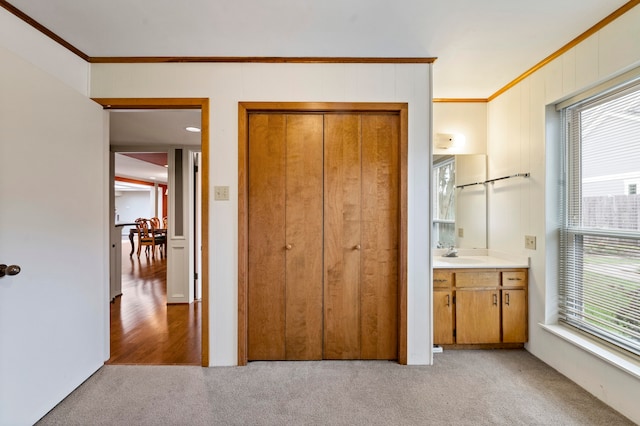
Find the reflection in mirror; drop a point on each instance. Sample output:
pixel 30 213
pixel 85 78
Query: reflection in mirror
pixel 459 211
pixel 444 201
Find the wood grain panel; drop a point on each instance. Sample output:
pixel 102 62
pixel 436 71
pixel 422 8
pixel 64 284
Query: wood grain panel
pixel 478 279
pixel 477 316
pixel 442 278
pixel 245 109
pixel 514 278
pixel 304 225
pixel 255 59
pixel 379 262
pixel 514 316
pixel 443 317
pixel 266 260
pixel 144 329
pixel 342 212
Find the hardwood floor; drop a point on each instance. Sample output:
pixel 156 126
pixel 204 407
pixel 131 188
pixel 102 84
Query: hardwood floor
pixel 144 329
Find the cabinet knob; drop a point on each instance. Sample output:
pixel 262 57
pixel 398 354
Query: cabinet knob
pixel 356 247
pixel 288 247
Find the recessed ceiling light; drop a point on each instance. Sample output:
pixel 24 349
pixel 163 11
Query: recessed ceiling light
pixel 193 129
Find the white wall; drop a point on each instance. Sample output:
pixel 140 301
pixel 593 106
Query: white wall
pixel 226 85
pixel 42 52
pixel 131 205
pixel 466 118
pixel 523 135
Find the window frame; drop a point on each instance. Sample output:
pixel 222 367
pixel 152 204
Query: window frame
pixel 571 292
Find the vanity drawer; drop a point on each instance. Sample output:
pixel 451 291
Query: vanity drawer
pixel 478 279
pixel 514 279
pixel 442 279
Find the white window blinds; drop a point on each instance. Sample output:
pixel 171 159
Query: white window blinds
pixel 600 235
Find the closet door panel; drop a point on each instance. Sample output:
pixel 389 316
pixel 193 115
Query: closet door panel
pixel 342 210
pixel 304 195
pixel 266 258
pixel 380 224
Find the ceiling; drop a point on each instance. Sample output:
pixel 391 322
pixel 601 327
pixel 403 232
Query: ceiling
pixel 481 45
pixel 153 127
pixel 143 136
pixel 133 168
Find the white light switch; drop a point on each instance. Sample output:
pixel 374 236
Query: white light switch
pixel 221 193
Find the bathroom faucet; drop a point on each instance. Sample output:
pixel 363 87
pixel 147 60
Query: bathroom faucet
pixel 451 252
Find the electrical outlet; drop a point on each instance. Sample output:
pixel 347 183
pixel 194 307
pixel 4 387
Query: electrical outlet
pixel 461 232
pixel 221 193
pixel 530 242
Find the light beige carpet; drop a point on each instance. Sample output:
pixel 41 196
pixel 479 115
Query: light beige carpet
pixel 509 387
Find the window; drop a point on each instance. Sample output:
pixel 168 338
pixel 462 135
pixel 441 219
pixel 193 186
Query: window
pixel 444 205
pixel 600 234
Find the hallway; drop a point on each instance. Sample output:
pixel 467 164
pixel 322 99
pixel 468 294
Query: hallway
pixel 144 329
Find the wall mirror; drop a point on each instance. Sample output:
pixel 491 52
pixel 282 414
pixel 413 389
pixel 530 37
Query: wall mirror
pixel 459 201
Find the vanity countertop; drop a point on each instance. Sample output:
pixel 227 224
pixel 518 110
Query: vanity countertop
pixel 478 258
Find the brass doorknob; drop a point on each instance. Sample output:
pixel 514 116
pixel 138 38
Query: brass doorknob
pixel 9 270
pixel 288 246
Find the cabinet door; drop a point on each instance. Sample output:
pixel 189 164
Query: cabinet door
pixel 477 316
pixel 514 316
pixel 443 317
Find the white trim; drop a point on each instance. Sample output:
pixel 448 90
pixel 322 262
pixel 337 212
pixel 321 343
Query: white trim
pixel 624 78
pixel 624 362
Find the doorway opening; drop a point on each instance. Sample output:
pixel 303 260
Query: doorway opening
pixel 161 314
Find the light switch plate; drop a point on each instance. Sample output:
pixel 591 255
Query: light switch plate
pixel 461 232
pixel 221 193
pixel 530 242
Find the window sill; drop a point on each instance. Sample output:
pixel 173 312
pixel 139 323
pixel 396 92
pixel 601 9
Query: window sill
pixel 625 363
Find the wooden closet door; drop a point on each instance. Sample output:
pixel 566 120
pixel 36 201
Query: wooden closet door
pixel 342 242
pixel 285 237
pixel 380 226
pixel 266 240
pixel 304 224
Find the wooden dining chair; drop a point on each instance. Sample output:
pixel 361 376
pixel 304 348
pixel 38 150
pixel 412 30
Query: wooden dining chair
pixel 145 237
pixel 160 235
pixel 155 222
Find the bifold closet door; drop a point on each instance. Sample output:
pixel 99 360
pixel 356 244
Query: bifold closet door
pixel 361 236
pixel 380 236
pixel 285 237
pixel 342 238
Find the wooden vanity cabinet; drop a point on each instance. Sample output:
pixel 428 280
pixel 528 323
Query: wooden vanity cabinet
pixel 514 307
pixel 490 306
pixel 443 312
